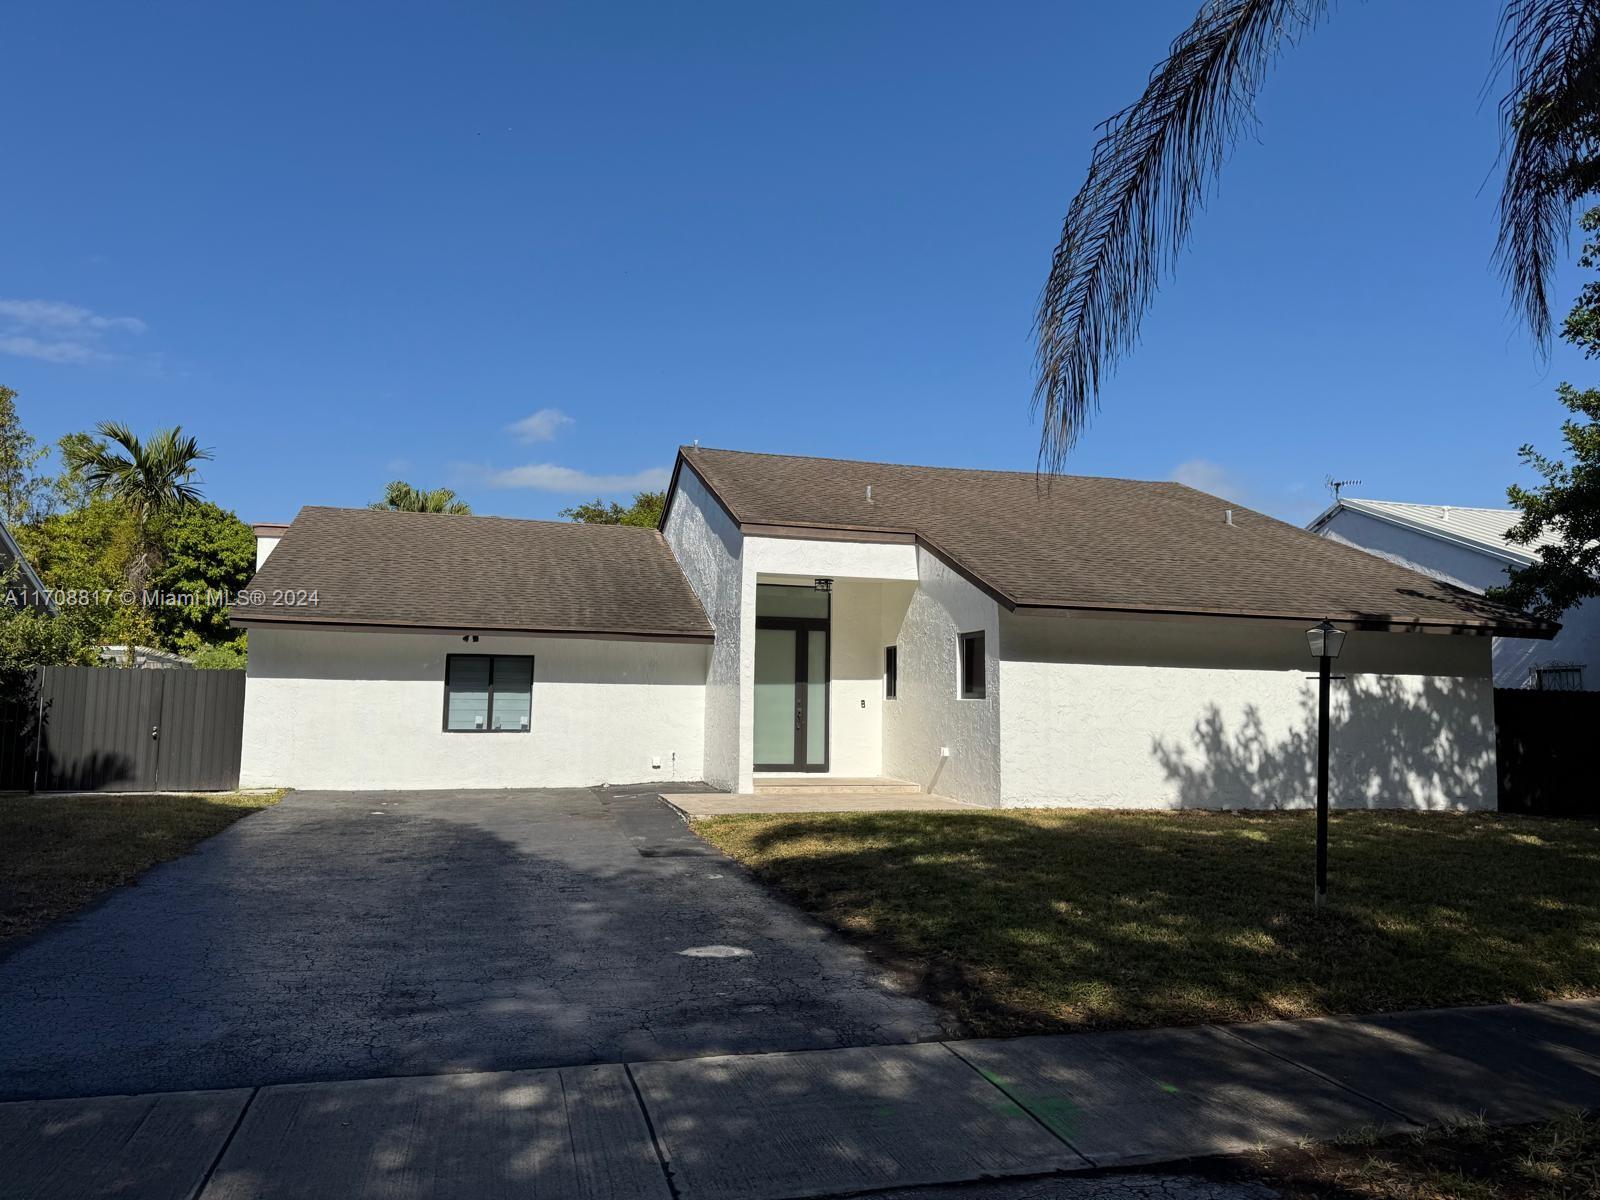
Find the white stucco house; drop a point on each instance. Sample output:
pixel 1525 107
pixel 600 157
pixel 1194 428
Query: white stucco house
pixel 988 636
pixel 1468 547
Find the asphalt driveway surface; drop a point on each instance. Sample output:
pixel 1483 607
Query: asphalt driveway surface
pixel 344 935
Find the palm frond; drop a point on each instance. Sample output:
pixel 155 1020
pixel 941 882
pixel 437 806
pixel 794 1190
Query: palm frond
pixel 1150 172
pixel 1549 116
pixel 400 496
pixel 149 476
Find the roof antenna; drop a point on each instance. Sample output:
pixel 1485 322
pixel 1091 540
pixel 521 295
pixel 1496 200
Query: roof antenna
pixel 1335 486
pixel 697 443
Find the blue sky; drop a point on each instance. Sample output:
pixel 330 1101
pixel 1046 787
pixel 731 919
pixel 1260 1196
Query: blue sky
pixel 526 250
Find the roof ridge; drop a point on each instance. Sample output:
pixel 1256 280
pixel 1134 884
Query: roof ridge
pixel 397 512
pixel 869 462
pixel 1508 511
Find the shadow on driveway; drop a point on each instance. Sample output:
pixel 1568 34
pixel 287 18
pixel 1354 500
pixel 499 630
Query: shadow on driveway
pixel 346 935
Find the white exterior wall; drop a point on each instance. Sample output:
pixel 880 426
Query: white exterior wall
pixel 710 549
pixel 349 710
pixel 1222 714
pixel 929 712
pixel 264 547
pixel 1477 570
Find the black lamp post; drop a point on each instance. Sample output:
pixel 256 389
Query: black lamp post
pixel 1326 642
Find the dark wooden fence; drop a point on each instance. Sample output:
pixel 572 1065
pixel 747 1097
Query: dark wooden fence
pixel 117 730
pixel 1545 744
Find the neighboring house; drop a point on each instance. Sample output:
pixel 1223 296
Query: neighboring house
pixel 22 588
pixel 144 657
pixel 989 636
pixel 1469 548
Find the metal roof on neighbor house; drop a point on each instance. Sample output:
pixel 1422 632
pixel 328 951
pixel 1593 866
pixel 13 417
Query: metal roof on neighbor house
pixel 387 569
pixel 1078 542
pixel 1480 528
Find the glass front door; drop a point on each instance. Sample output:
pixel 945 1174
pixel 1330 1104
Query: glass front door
pixel 791 679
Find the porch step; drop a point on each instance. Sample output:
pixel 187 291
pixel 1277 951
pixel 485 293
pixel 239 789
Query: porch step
pixel 811 785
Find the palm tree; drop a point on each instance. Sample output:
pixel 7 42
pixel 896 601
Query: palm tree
pixel 1156 160
pixel 149 478
pixel 402 497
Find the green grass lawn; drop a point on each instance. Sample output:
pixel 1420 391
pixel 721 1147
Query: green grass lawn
pixel 1051 919
pixel 58 853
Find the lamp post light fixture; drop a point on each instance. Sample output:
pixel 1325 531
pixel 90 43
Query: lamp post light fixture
pixel 1326 641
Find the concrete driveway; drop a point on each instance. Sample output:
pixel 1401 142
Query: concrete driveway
pixel 347 935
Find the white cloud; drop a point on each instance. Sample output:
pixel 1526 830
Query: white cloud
pixel 58 332
pixel 542 426
pixel 23 346
pixel 1207 476
pixel 548 477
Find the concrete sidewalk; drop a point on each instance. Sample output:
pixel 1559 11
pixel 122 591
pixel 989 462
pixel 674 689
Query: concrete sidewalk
pixel 813 1123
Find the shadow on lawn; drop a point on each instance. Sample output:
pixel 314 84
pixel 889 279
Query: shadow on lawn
pixel 1038 920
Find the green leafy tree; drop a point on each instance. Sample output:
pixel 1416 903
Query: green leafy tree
pixel 1566 506
pixel 1157 160
pixel 230 656
pixel 645 511
pixel 85 554
pixel 31 637
pixel 71 490
pixel 34 637
pixel 400 496
pixel 20 453
pixel 205 551
pixel 150 478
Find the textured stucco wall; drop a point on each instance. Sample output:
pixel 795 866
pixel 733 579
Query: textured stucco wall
pixel 710 549
pixel 1222 714
pixel 929 712
pixel 1578 641
pixel 330 709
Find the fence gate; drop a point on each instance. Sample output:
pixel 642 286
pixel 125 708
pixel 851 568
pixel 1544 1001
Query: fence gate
pixel 114 730
pixel 1544 745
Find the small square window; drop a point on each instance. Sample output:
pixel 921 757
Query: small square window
pixel 1557 677
pixel 972 667
pixel 891 672
pixel 488 693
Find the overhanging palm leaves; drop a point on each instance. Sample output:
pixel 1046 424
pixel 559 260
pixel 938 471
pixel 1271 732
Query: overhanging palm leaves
pixel 400 496
pixel 1156 160
pixel 1550 114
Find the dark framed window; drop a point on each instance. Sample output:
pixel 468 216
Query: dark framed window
pixel 972 676
pixel 488 693
pixel 1557 677
pixel 891 672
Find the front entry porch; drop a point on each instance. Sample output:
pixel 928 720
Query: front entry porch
pixel 815 785
pixel 818 795
pixel 816 684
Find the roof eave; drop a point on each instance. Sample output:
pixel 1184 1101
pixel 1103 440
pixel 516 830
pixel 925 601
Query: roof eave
pixel 1365 622
pixel 247 620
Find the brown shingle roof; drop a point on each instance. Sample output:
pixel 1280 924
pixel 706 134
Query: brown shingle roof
pixel 1079 541
pixel 482 574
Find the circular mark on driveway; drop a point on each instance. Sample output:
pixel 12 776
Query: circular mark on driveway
pixel 717 952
